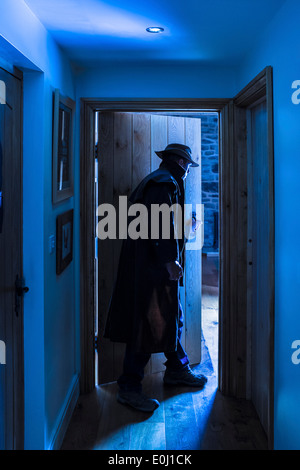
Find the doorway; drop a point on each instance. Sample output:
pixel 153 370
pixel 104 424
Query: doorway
pixel 88 207
pixel 125 146
pixel 234 291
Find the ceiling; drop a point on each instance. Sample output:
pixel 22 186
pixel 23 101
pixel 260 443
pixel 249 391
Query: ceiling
pixel 212 31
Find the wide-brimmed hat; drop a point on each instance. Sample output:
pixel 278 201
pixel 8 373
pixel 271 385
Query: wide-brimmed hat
pixel 181 150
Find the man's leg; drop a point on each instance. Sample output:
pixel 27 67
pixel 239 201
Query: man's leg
pixel 178 370
pixel 130 382
pixel 133 370
pixel 178 359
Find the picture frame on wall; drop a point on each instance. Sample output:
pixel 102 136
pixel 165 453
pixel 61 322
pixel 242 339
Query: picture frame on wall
pixel 63 147
pixel 64 240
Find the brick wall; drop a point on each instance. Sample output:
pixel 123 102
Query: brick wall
pixel 210 177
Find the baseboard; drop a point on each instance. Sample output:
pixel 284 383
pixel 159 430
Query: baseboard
pixel 65 415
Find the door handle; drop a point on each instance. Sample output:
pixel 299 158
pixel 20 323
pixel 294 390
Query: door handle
pixel 20 290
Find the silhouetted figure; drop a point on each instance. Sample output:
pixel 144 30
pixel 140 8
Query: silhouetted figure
pixel 145 311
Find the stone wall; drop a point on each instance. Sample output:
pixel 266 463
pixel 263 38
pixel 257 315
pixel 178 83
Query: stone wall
pixel 210 179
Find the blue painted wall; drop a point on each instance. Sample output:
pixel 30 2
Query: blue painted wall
pixel 49 307
pixel 161 79
pixel 279 47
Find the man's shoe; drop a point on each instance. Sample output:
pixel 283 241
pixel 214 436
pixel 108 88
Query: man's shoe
pixel 138 401
pixel 184 377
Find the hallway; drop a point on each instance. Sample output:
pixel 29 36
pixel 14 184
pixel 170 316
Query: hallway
pixel 237 59
pixel 203 419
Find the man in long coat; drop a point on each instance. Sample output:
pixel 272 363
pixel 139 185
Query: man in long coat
pixel 145 311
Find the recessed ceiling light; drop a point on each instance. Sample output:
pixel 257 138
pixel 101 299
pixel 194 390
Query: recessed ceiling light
pixel 155 29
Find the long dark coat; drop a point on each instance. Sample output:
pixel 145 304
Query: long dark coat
pixel 145 308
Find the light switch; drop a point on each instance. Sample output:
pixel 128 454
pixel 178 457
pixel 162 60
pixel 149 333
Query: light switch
pixel 52 242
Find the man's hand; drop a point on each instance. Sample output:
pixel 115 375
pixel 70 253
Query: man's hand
pixel 175 270
pixel 195 224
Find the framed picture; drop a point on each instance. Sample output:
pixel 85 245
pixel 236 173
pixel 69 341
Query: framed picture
pixel 63 144
pixel 64 240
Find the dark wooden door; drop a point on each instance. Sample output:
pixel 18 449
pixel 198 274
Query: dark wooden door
pixel 127 144
pixel 11 312
pixel 247 248
pixel 259 231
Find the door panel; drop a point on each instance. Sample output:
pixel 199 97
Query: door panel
pixel 122 184
pixel 11 315
pixel 127 144
pixel 260 228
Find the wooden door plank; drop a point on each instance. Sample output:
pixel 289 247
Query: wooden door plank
pixel 122 168
pixel 231 282
pixel 122 186
pixel 226 215
pixel 105 247
pixel 250 241
pixel 176 131
pixel 240 248
pixel 260 267
pixel 193 258
pixel 141 157
pixel 159 129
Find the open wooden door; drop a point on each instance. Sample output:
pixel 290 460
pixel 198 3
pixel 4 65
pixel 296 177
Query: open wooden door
pixel 126 154
pixel 261 271
pixel 11 289
pixel 247 248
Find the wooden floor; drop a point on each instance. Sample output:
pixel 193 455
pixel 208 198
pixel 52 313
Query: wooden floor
pixel 187 419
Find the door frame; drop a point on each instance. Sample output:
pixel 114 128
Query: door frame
pixel 233 340
pixel 87 203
